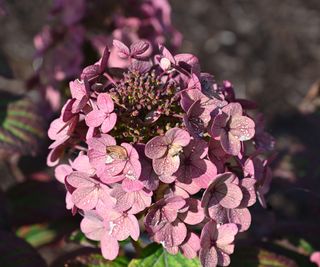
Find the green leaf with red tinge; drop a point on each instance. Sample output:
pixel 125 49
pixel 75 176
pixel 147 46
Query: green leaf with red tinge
pixel 22 128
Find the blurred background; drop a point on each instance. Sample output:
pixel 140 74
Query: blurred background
pixel 268 49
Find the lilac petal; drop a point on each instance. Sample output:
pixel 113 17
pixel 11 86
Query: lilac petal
pixel 105 202
pixel 156 147
pixel 92 226
pixel 148 177
pixel 170 211
pixel 176 190
pixel 123 50
pixel 190 60
pixel 125 226
pixel 109 247
pixel 218 213
pixel 247 186
pixel 190 246
pixel 77 89
pixel 223 259
pixel 217 128
pixel 172 250
pixel 208 257
pixel 233 109
pixel 230 195
pixel 226 234
pixel 230 144
pixel 120 228
pixel 111 179
pixel 142 200
pixel 85 198
pixel 80 179
pixel 124 200
pixel 109 123
pixel 172 234
pixel 165 64
pixel 104 59
pixel 192 188
pixel 82 164
pixel 178 137
pixel 241 217
pixel 195 213
pixel 242 128
pixel 166 165
pixel 167 179
pixel 105 103
pixel 129 185
pixel 113 168
pixel 61 171
pixel 139 66
pixel 165 52
pixel 203 172
pixel 197 148
pixel 194 82
pixel 90 72
pixel 134 227
pixel 54 155
pixel 139 48
pixel 132 152
pixel 95 118
pixel 100 143
pixel 132 169
pixel 208 234
pixel 78 105
pixel 228 249
pixel 57 129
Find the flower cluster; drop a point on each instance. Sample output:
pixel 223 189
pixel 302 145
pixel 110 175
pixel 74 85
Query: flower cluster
pixel 154 138
pixel 83 27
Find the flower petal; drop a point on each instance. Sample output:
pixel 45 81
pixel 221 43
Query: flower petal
pixel 166 165
pixel 242 128
pixel 230 144
pixel 156 147
pixel 85 198
pixel 109 247
pixel 123 50
pixel 105 102
pixel 109 123
pixel 95 118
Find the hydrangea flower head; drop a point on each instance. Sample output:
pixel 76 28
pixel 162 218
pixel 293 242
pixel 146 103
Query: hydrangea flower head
pixel 157 138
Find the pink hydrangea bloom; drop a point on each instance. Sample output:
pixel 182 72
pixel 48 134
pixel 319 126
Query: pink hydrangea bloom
pixel 231 128
pixel 95 228
pixel 104 115
pixel 226 200
pixel 132 201
pixel 88 191
pixel 195 171
pixel 149 137
pixel 164 151
pixel 217 244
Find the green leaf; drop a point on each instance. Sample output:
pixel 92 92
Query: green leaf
pixel 161 258
pixel 41 234
pixel 305 246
